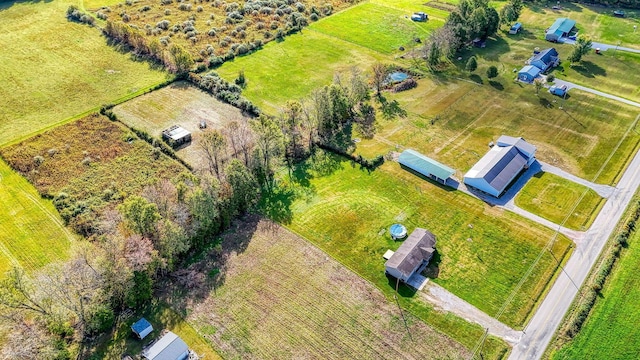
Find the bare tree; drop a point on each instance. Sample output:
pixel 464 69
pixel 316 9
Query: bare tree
pixel 241 138
pixel 380 73
pixel 214 146
pixel 163 193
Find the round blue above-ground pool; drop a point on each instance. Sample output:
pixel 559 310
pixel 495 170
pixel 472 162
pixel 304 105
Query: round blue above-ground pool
pixel 397 76
pixel 397 231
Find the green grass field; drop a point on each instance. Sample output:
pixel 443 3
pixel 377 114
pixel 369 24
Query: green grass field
pixel 121 341
pixel 611 331
pixel 279 297
pixel 596 22
pixel 453 121
pixel 293 68
pixel 553 197
pixel 31 231
pixel 347 212
pixel 376 27
pixel 54 69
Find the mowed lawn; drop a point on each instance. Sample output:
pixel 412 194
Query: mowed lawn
pixel 454 121
pixel 482 251
pixel 53 69
pixel 612 331
pixel 554 198
pixel 279 297
pixel 377 27
pixel 613 72
pixel 291 69
pixel 31 231
pixel 596 22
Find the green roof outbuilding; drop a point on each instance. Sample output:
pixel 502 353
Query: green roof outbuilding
pixel 425 166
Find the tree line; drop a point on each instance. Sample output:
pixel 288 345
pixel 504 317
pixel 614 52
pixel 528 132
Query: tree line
pixel 145 238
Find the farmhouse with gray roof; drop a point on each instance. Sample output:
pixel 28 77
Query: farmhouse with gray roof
pixel 412 256
pixel 500 166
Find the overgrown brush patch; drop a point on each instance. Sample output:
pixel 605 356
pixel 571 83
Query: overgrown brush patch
pixel 87 165
pixel 210 31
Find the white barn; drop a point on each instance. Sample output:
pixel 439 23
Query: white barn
pixel 169 347
pixel 499 167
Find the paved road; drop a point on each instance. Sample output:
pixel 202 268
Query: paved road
pixel 547 318
pixel 571 85
pixel 602 46
pixel 446 301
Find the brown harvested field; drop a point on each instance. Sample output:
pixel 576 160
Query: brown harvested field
pixel 179 104
pixel 279 297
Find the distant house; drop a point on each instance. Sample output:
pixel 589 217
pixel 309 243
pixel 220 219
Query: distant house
pixel 176 136
pixel 426 166
pixel 412 256
pixel 559 90
pixel 516 28
pixel 499 167
pixel 142 328
pixel 560 28
pixel 419 16
pixel 168 347
pixel 618 13
pixel 545 59
pixel 528 73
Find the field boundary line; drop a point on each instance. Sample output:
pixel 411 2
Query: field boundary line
pixel 73 118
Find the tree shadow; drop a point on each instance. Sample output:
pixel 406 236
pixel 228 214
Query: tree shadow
pixel 495 47
pixel 5 5
pixel 196 281
pixel 545 102
pixel 589 69
pixel 496 85
pixel 476 79
pixel 391 110
pixel 276 202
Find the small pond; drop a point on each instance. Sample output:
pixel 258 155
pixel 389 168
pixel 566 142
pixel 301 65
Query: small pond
pixel 397 77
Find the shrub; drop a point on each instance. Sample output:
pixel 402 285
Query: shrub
pixel 184 7
pixel 164 25
pixel 492 72
pixel 211 32
pixel 550 78
pixel 242 49
pixel 274 25
pixel 241 80
pixel 199 9
pixel 145 8
pixel 101 15
pixel 407 84
pixel 38 160
pixel 313 17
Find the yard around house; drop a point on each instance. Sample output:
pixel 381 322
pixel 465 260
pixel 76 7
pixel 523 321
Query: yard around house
pixel 276 296
pixel 594 21
pixel 611 330
pixel 553 197
pixel 54 69
pixel 179 104
pixel 483 251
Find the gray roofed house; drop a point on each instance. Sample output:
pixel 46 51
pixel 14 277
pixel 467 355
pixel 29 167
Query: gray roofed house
pixel 500 166
pixel 412 256
pixel 425 166
pixel 168 347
